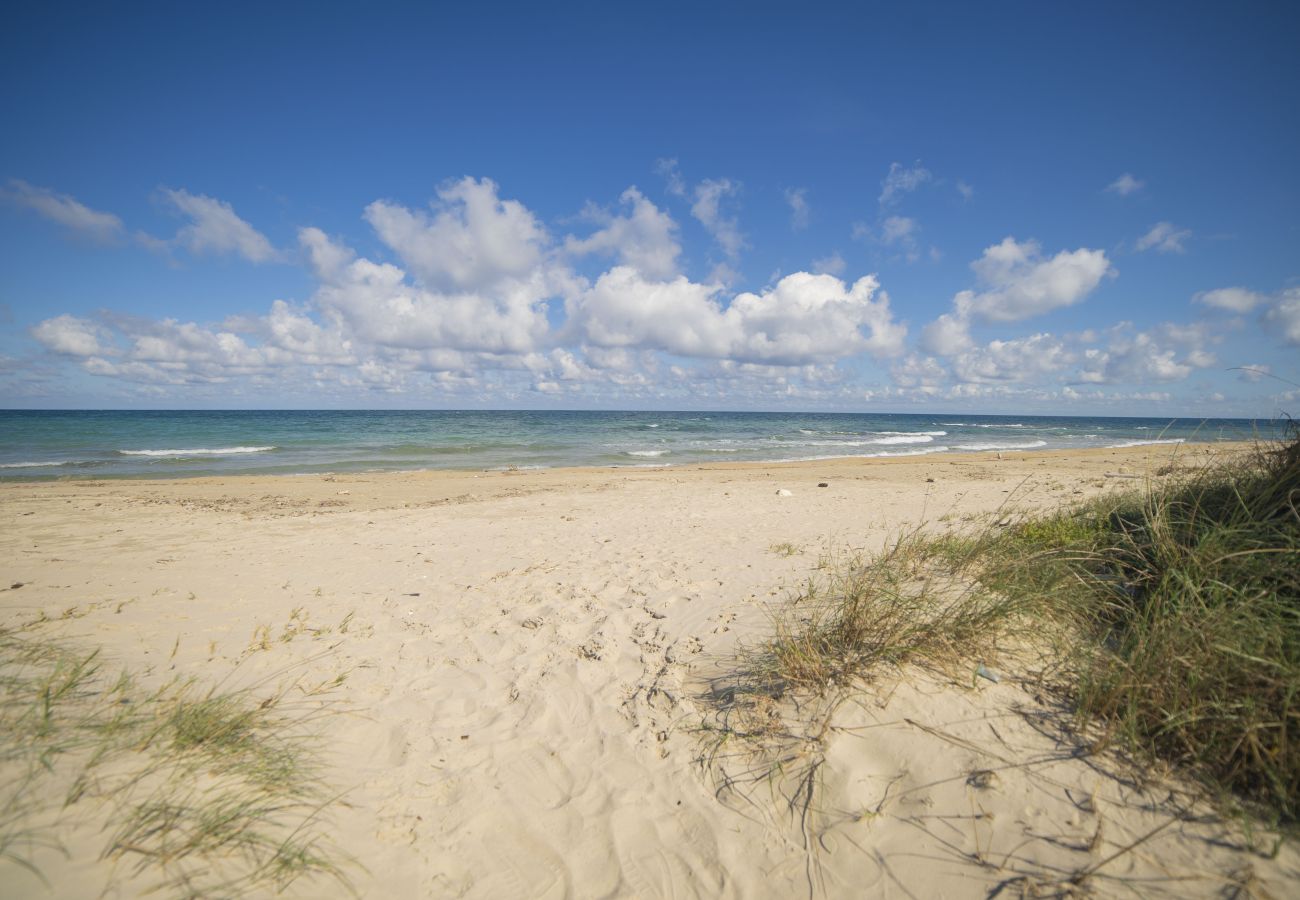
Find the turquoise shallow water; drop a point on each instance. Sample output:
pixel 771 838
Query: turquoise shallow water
pixel 91 444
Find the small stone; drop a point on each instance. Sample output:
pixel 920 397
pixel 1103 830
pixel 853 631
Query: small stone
pixel 930 480
pixel 782 492
pixel 822 484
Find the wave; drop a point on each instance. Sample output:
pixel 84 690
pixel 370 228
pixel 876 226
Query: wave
pixel 198 451
pixel 648 452
pixel 863 433
pixel 1029 446
pixel 722 449
pixel 1144 443
pixel 883 453
pixel 37 465
pixel 986 424
pixel 912 438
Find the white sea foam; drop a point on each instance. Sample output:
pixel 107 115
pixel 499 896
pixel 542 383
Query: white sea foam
pixel 723 449
pixel 197 451
pixel 1028 446
pixel 34 465
pixel 872 442
pixel 926 433
pixel 922 452
pixel 648 452
pixel 1144 443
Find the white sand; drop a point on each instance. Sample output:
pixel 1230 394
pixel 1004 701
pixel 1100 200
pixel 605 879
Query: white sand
pixel 523 662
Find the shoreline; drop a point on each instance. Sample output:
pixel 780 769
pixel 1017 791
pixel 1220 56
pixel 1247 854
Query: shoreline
pixel 1170 447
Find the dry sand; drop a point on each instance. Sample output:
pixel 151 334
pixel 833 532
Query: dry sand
pixel 524 659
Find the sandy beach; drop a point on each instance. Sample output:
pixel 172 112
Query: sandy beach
pixel 524 656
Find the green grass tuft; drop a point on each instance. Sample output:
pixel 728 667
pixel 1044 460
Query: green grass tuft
pixel 1172 613
pixel 193 792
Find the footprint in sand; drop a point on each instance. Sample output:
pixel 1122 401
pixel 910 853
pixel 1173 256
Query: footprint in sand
pixel 538 777
pixel 518 865
pixel 649 869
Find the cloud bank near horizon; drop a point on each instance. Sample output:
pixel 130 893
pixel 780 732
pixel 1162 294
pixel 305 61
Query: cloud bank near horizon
pixel 476 298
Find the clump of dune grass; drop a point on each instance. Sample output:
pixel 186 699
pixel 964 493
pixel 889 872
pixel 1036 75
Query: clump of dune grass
pixel 189 791
pixel 1170 615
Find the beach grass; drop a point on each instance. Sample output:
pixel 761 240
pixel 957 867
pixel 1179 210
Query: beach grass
pixel 191 791
pixel 1166 616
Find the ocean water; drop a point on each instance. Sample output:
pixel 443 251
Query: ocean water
pixel 89 444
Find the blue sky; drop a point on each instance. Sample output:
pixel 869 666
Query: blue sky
pixel 994 207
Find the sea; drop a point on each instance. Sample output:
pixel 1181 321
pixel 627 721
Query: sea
pixel 86 444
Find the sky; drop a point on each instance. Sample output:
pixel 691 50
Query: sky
pixel 1075 209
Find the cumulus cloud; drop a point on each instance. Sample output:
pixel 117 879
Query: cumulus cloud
pixel 70 336
pixel 1232 299
pixel 1124 185
pixel 915 370
pixel 645 238
pixel 1018 360
pixel 902 180
pixel 803 319
pixel 1167 352
pixel 487 310
pixel 473 240
pixel 66 211
pixel 1285 316
pixel 215 228
pixel 798 200
pixel 1017 283
pixel 947 335
pixel 1164 237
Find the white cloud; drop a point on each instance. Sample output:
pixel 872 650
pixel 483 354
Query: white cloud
pixel 1018 360
pixel 1125 184
pixel 915 370
pixel 947 335
pixel 214 227
pixel 897 228
pixel 1019 283
pixel 1254 372
pixel 66 211
pixel 70 336
pixel 1232 299
pixel 473 240
pixel 901 232
pixel 1167 352
pixel 902 180
pixel 966 191
pixel 803 319
pixel 707 208
pixel 1285 316
pixel 667 168
pixel 829 265
pixel 644 239
pixel 1164 237
pixel 382 307
pixel 799 212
